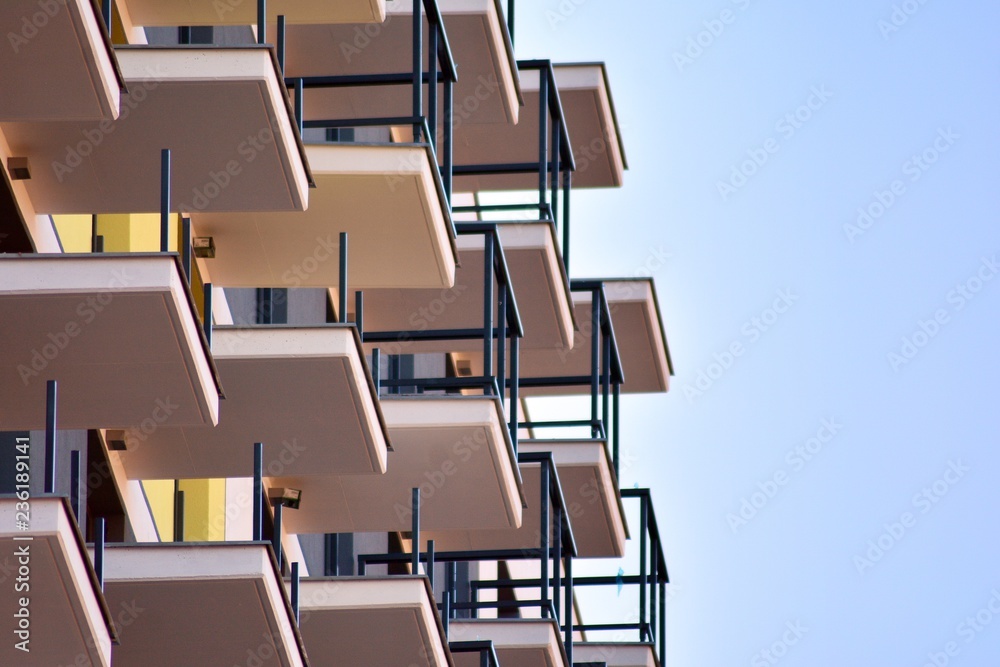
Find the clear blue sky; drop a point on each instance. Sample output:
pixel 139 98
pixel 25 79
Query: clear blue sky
pixel 886 96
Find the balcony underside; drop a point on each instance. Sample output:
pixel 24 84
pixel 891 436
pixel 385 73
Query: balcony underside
pixel 591 493
pixel 454 449
pixel 639 332
pixel 244 12
pixel 60 66
pixel 371 622
pixel 224 114
pixel 486 91
pixel 590 120
pixel 616 654
pixel 537 279
pixel 119 333
pixel 518 642
pixel 304 392
pixel 68 619
pixel 201 604
pixel 396 187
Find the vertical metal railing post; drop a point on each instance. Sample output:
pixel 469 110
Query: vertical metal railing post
pixel 543 139
pixel 418 67
pixel 186 248
pixel 74 483
pixel 261 21
pixel 501 338
pixel 430 563
pixel 299 104
pixel 515 379
pixel 546 532
pixel 99 533
pixel 343 278
pixel 595 338
pixel 295 590
pixel 567 184
pixel 359 313
pixel 663 622
pixel 606 383
pixel 510 20
pixel 652 589
pixel 554 163
pixel 207 324
pixel 281 44
pixel 376 371
pixel 106 14
pixel 178 514
pixel 643 531
pixel 278 509
pixel 449 571
pixel 51 395
pixel 415 529
pixel 449 119
pixel 432 85
pixel 568 625
pixel 258 491
pixel 615 450
pixel 165 200
pixel 488 313
pixel 557 563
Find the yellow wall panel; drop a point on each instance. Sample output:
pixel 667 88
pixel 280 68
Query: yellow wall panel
pixel 74 231
pixel 160 496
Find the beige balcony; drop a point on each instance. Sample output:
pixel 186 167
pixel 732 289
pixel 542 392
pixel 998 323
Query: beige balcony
pixel 119 333
pixel 60 65
pixel 305 392
pixel 224 114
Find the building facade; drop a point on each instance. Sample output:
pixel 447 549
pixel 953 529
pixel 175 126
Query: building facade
pixel 279 283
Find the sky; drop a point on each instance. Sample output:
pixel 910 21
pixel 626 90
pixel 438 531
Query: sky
pixel 822 179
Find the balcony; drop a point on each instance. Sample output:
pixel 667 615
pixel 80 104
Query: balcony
pixel 638 331
pixel 455 449
pixel 232 12
pixel 201 604
pixel 486 93
pixel 120 334
pixel 518 642
pixel 69 619
pixel 536 276
pixel 616 655
pixel 60 66
pixel 363 621
pixel 397 185
pixel 593 125
pixel 590 489
pixel 304 391
pixel 224 114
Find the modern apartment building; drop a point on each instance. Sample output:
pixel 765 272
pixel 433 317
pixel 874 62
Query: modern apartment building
pixel 268 356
